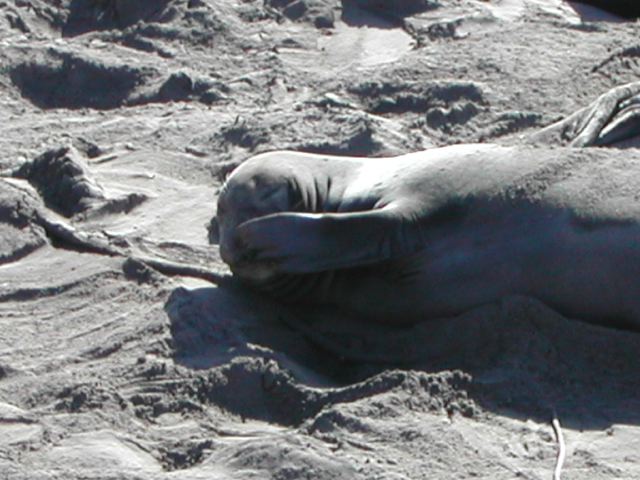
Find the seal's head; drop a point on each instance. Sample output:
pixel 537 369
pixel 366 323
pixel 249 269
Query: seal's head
pixel 259 187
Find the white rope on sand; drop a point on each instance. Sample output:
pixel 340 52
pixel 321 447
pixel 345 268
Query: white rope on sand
pixel 557 430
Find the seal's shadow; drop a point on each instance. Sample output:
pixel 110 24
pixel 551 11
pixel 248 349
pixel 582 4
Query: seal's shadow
pixel 523 358
pixel 212 326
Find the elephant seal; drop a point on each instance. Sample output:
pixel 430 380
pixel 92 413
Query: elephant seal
pixel 435 233
pixel 629 9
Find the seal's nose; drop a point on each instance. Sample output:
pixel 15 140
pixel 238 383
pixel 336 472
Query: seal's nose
pixel 226 252
pixel 230 248
pixel 213 231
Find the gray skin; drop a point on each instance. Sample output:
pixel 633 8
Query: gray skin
pixel 435 233
pixel 613 119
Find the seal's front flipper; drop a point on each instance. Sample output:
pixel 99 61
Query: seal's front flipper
pixel 306 242
pixel 612 118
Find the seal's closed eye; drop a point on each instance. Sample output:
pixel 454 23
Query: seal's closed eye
pixel 269 194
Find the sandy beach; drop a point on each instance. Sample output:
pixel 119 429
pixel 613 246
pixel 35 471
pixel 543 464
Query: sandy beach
pixel 120 121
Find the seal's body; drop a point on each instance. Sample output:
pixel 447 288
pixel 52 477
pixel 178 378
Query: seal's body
pixel 434 233
pixel 622 8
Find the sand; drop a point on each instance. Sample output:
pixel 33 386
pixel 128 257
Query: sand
pixel 119 123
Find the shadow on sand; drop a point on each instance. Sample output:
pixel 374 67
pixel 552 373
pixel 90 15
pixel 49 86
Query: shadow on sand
pixel 517 358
